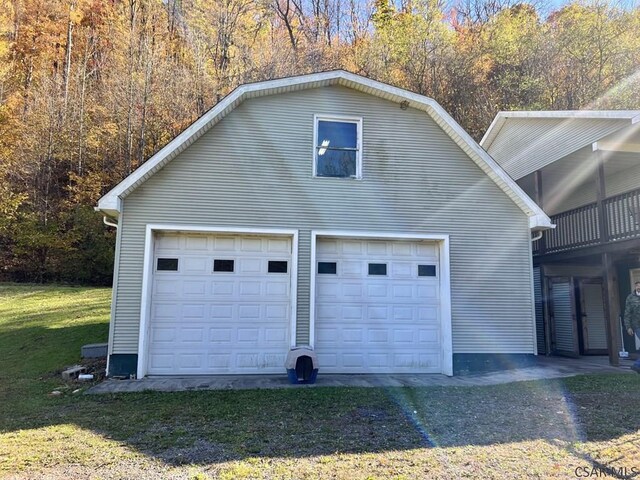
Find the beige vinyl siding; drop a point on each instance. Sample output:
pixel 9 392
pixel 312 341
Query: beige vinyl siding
pixel 304 287
pixel 254 169
pixel 524 145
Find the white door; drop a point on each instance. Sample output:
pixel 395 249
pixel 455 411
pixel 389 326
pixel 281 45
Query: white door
pixel 378 306
pixel 220 304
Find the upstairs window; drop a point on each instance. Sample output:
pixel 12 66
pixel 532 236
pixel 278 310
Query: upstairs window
pixel 338 143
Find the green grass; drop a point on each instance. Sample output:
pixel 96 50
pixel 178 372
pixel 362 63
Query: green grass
pixel 534 429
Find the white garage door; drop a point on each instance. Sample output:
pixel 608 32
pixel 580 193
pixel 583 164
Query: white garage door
pixel 220 304
pixel 377 306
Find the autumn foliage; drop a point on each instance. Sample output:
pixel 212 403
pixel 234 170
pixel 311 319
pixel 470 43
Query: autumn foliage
pixel 89 89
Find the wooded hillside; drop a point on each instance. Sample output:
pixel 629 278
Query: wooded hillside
pixel 89 89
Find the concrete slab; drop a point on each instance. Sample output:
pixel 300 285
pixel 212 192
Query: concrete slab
pixel 545 368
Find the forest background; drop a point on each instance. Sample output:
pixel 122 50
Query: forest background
pixel 89 89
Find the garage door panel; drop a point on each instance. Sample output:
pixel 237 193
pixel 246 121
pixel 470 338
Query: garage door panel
pixel 327 246
pixel 167 242
pixel 378 323
pixel 327 290
pixel 328 361
pixel 403 336
pixel 402 292
pixel 277 288
pixel 192 311
pixel 278 246
pixel 352 312
pixel 165 310
pixel 401 313
pixel 431 336
pixel 377 248
pixel 251 265
pixel 251 245
pixel 402 249
pixel 224 244
pixel 218 362
pixel 427 250
pixel 380 362
pixel 402 269
pixel 431 314
pixel 379 290
pixel 326 312
pixel 275 336
pixel 428 291
pixel 378 335
pixel 352 335
pixel 192 335
pixel 167 287
pixel 326 335
pixel 222 312
pixel 249 313
pixel 353 360
pixel 195 265
pixel 194 288
pixel 250 288
pixel 161 361
pixel 187 363
pixel 220 288
pixel 353 269
pixel 207 322
pixel 220 335
pixel 196 243
pixel 276 312
pixel 248 335
pixel 163 335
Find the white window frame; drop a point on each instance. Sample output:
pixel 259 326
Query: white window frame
pixel 344 119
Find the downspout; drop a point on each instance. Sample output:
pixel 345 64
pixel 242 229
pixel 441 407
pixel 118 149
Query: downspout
pixel 114 225
pixel 107 222
pixel 533 239
pixel 113 297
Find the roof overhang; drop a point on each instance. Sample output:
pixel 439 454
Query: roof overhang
pixel 633 116
pixel 111 202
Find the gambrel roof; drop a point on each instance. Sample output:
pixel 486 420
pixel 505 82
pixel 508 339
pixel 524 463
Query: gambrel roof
pixel 111 202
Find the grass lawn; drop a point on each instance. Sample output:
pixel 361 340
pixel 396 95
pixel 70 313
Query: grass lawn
pixel 531 429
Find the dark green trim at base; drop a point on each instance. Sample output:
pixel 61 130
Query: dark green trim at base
pixel 465 363
pixel 123 364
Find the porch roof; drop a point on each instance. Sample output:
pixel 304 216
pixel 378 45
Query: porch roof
pixel 522 142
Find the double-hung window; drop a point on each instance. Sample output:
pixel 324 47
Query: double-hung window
pixel 338 147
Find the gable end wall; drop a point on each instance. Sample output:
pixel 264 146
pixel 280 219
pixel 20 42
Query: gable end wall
pixel 254 169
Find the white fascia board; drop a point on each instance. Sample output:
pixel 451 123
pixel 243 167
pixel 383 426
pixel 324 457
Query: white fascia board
pixel 431 107
pixel 493 130
pixel 540 222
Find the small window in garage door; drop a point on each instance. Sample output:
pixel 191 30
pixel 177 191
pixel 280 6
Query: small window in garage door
pixel 220 265
pixel 426 270
pixel 167 265
pixel 327 268
pixel 277 266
